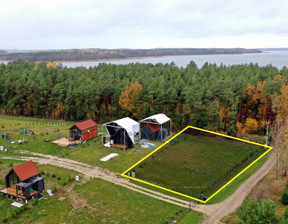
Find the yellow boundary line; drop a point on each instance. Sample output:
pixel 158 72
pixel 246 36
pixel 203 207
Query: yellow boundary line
pixel 187 196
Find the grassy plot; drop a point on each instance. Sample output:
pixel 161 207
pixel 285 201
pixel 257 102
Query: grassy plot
pixel 55 179
pixel 227 191
pixel 44 130
pixel 91 152
pixel 98 201
pixel 196 165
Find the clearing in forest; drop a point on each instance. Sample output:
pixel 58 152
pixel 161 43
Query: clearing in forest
pixel 197 163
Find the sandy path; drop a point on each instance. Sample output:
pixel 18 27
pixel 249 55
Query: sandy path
pixel 214 212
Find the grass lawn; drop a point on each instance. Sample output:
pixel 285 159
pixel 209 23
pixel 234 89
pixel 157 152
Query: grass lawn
pixel 95 201
pixel 227 191
pixel 91 152
pixel 43 129
pixel 55 179
pixel 197 164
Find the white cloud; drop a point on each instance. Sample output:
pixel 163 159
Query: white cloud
pixel 34 24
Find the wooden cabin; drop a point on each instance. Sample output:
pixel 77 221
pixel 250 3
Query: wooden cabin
pixel 84 130
pixel 24 182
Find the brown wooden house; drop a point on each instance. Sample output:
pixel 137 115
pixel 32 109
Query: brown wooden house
pixel 84 130
pixel 24 182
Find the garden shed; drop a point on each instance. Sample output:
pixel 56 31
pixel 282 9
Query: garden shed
pixel 122 133
pixel 156 127
pixel 24 182
pixel 84 130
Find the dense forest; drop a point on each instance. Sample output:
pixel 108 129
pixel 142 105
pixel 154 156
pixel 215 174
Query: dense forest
pixel 97 54
pixel 228 98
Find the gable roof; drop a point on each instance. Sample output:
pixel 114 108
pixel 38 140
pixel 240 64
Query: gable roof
pixel 159 118
pixel 26 170
pixel 85 124
pixel 154 127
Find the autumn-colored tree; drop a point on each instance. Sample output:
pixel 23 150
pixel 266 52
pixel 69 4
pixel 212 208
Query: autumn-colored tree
pixel 51 64
pixel 280 104
pixel 251 125
pixel 127 99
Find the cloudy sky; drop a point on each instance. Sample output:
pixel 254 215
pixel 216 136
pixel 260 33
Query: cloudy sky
pixel 53 24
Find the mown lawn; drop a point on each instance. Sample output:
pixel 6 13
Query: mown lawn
pixel 197 164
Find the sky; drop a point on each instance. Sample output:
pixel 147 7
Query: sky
pixel 65 24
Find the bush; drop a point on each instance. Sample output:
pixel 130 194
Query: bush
pixel 5 219
pixel 53 175
pixel 286 213
pixel 284 197
pixel 260 211
pixel 251 125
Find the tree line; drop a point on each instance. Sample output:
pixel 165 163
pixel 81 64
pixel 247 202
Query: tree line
pixel 97 54
pixel 238 98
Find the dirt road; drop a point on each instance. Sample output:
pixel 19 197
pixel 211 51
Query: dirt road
pixel 213 212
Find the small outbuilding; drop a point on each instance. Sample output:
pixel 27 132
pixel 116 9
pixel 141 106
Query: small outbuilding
pixel 122 133
pixel 84 130
pixel 156 127
pixel 24 182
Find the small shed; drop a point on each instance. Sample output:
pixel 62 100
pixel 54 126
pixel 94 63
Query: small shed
pixel 122 133
pixel 84 130
pixel 156 127
pixel 24 182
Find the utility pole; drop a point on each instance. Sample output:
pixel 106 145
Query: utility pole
pixel 266 136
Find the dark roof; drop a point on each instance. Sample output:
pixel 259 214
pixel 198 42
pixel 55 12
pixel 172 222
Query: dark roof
pixel 26 170
pixel 154 127
pixel 85 124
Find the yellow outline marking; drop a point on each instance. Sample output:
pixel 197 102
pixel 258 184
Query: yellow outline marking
pixel 200 129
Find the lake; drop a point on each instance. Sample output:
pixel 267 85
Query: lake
pixel 276 58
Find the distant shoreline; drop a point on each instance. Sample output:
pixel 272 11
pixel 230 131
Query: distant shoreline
pixel 131 58
pixel 92 54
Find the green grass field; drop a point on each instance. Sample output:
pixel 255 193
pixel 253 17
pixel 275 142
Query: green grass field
pixel 91 152
pixel 93 201
pixel 97 199
pixel 55 179
pixel 197 164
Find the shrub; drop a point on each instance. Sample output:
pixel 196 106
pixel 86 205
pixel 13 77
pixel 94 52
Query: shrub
pixel 53 175
pixel 260 211
pixel 284 197
pixel 251 125
pixel 5 220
